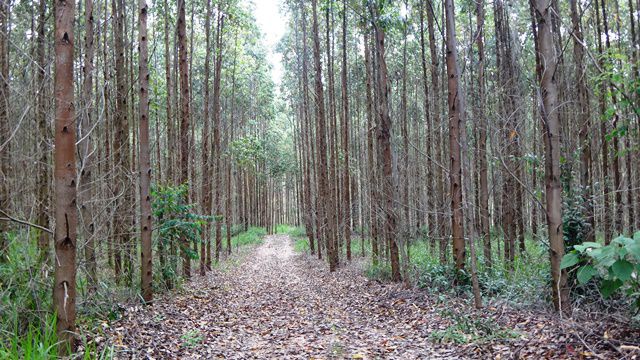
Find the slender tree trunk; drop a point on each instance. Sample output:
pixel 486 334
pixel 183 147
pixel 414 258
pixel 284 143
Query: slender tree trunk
pixel 455 122
pixel 307 134
pixel 485 231
pixel 439 202
pixel 384 141
pixel 146 260
pixel 66 215
pixel 121 146
pixel 346 202
pixel 5 158
pixel 86 150
pixel 604 142
pixel 206 144
pixel 332 188
pixel 584 114
pixel 44 172
pixel 551 126
pixel 184 120
pixel 321 137
pixel 218 216
pixel 431 200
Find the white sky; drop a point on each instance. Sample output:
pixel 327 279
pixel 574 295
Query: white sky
pixel 272 23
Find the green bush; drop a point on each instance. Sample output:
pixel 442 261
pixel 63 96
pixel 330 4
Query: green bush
pixel 615 266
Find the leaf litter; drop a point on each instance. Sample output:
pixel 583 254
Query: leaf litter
pixel 272 303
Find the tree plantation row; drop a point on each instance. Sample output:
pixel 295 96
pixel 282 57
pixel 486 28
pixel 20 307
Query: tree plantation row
pixel 467 140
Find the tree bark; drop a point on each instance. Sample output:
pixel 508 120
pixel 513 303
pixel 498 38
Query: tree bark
pixel 206 144
pixel 184 120
pixel 86 152
pixel 218 216
pixel 455 121
pixel 66 215
pixel 321 139
pixel 346 201
pixel 551 126
pixel 44 171
pixel 384 142
pixel 144 158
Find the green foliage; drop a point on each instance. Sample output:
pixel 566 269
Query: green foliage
pixel 176 221
pixel 301 245
pixel 574 225
pixel 380 271
pixel 38 342
pixel 469 329
pixel 25 289
pixel 293 231
pixel 252 236
pixel 616 266
pixel 520 283
pixel 191 338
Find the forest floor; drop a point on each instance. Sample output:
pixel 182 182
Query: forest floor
pixel 269 302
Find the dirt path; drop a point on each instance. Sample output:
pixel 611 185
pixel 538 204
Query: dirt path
pixel 274 303
pixel 267 302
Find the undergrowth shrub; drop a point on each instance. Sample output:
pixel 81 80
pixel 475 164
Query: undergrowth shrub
pixel 469 329
pixel 520 283
pixel 614 267
pixel 380 271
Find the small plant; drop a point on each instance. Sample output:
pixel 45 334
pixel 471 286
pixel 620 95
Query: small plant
pixel 468 329
pixel 301 245
pixel 178 224
pixel 191 338
pixel 381 271
pixel 616 266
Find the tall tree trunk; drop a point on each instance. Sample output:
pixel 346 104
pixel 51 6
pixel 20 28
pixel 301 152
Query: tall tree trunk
pixel 584 114
pixel 206 144
pixel 121 147
pixel 439 202
pixel 371 153
pixel 184 120
pixel 332 196
pixel 321 140
pixel 431 200
pixel 308 148
pixel 218 216
pixel 384 141
pixel 66 215
pixel 604 142
pixel 5 157
pixel 44 171
pixel 85 152
pixel 455 120
pixel 551 126
pixel 146 260
pixel 483 166
pixel 346 202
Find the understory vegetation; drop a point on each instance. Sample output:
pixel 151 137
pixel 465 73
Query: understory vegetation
pixel 28 329
pixel 521 284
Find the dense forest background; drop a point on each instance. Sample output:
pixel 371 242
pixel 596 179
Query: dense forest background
pixel 484 149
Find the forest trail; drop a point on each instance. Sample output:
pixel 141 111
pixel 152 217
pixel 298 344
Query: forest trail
pixel 271 302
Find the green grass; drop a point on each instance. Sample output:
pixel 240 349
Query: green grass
pixel 253 236
pixel 301 245
pixel 293 231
